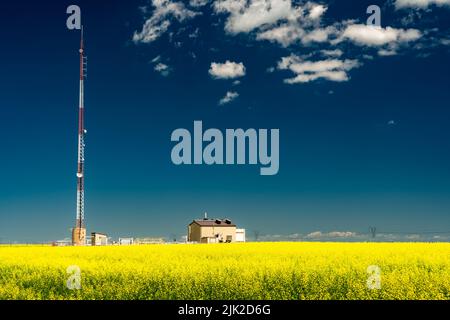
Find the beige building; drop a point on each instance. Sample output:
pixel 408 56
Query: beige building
pixel 99 239
pixel 211 231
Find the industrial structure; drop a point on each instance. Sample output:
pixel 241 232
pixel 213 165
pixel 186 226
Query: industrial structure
pixel 79 231
pixel 214 231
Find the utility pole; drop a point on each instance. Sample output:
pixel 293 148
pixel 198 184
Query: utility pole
pixel 373 232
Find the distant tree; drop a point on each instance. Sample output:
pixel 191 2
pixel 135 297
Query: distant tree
pixel 256 234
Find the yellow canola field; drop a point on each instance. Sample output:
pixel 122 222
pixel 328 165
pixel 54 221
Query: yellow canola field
pixel 280 270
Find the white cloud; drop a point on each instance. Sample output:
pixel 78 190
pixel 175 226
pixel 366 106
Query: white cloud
pixel 333 234
pixel 285 34
pixel 316 11
pixel 413 237
pixel 227 70
pixel 306 71
pixel 280 21
pixel 156 59
pixel 350 236
pixel 288 22
pixel 445 42
pixel 290 33
pixel 247 15
pixel 230 96
pixel 332 53
pixel 341 234
pixel 198 3
pixel 159 22
pixel 362 34
pixel 315 234
pixel 386 52
pixel 318 35
pixel 162 68
pixel 422 4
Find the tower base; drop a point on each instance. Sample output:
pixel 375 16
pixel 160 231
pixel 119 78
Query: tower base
pixel 79 236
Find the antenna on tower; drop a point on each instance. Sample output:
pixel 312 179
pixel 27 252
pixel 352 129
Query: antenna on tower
pixel 84 62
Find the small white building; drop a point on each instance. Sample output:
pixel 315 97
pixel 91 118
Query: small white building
pixel 240 235
pixel 126 241
pixel 63 242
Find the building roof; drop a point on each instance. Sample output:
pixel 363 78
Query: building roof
pixel 99 233
pixel 214 222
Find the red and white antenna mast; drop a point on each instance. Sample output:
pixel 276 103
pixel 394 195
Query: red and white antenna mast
pixel 79 232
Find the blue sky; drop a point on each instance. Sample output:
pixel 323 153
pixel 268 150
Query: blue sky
pixel 363 115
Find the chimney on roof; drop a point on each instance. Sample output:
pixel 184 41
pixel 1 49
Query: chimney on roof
pixel 206 216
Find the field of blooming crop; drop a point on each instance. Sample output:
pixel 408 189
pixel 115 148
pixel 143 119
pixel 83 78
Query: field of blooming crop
pixel 281 270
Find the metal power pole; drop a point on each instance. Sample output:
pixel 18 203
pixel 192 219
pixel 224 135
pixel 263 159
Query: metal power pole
pixel 373 232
